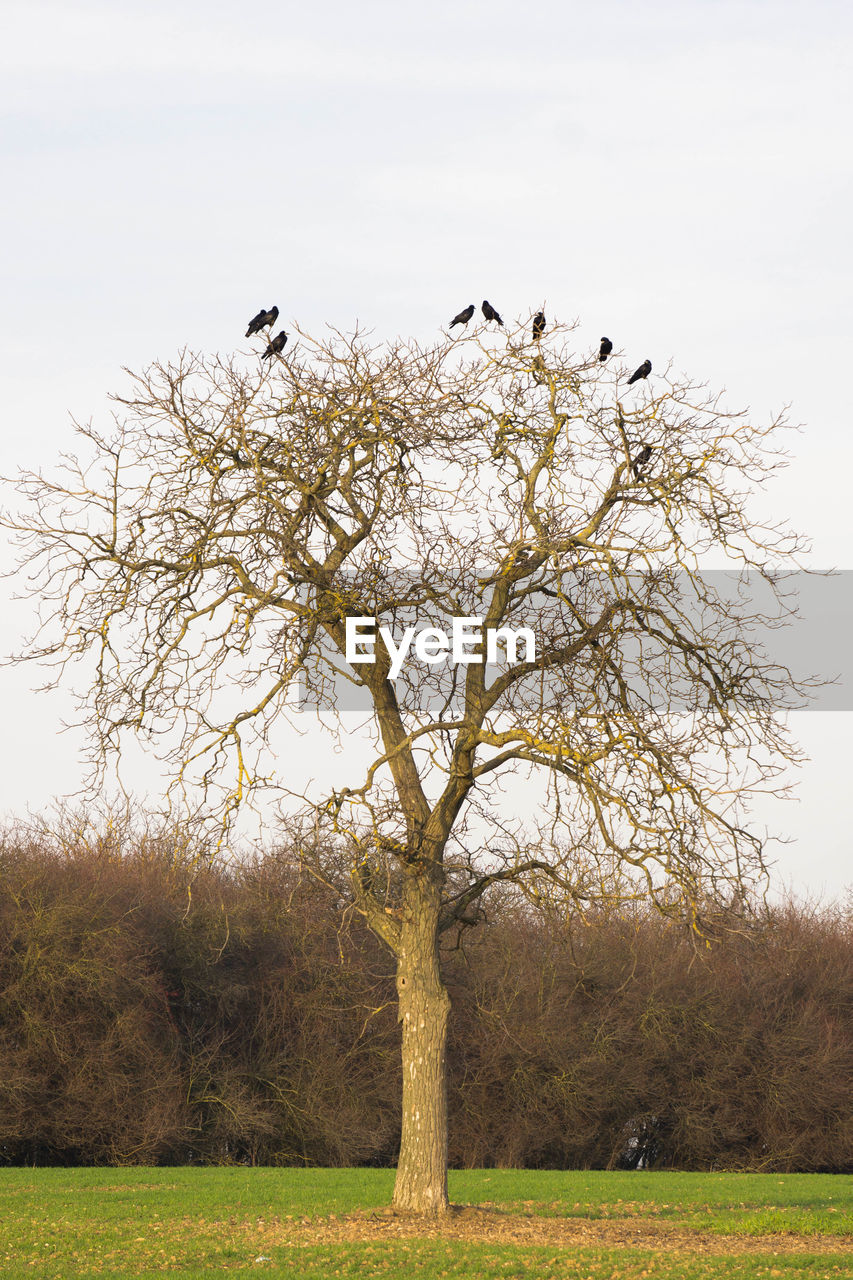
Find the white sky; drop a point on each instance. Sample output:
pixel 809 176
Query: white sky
pixel 676 175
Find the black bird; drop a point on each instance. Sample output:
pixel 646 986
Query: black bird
pixel 643 372
pixel 538 325
pixel 261 320
pixel 490 313
pixel 463 317
pixel 641 460
pixel 605 349
pixel 276 346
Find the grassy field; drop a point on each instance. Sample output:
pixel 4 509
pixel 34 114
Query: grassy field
pixel 318 1223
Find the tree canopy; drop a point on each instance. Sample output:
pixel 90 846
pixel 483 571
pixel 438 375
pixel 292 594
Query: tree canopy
pixel 207 556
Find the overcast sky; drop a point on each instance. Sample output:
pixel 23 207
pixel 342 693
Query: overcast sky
pixel 676 175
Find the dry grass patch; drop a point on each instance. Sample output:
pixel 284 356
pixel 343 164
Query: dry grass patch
pixel 476 1223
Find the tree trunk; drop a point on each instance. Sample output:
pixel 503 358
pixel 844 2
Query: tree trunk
pixel 424 1007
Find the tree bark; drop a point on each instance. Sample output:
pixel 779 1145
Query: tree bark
pixel 424 1008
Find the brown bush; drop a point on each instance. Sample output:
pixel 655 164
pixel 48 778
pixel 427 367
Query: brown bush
pixel 154 1008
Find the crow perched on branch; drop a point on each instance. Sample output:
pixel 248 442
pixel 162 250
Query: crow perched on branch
pixel 463 317
pixel 643 372
pixel 605 349
pixel 261 320
pixel 276 346
pixel 538 325
pixel 641 459
pixel 490 313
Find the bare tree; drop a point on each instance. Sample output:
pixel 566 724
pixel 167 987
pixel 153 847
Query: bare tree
pixel 205 561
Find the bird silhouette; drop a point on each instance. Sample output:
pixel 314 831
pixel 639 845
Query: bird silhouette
pixel 641 460
pixel 261 320
pixel 490 313
pixel 463 317
pixel 276 346
pixel 538 325
pixel 605 349
pixel 643 372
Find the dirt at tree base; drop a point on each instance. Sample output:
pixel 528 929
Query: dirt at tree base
pixel 464 1222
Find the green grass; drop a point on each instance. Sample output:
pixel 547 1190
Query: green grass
pixel 430 1260
pixel 725 1203
pixel 192 1223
